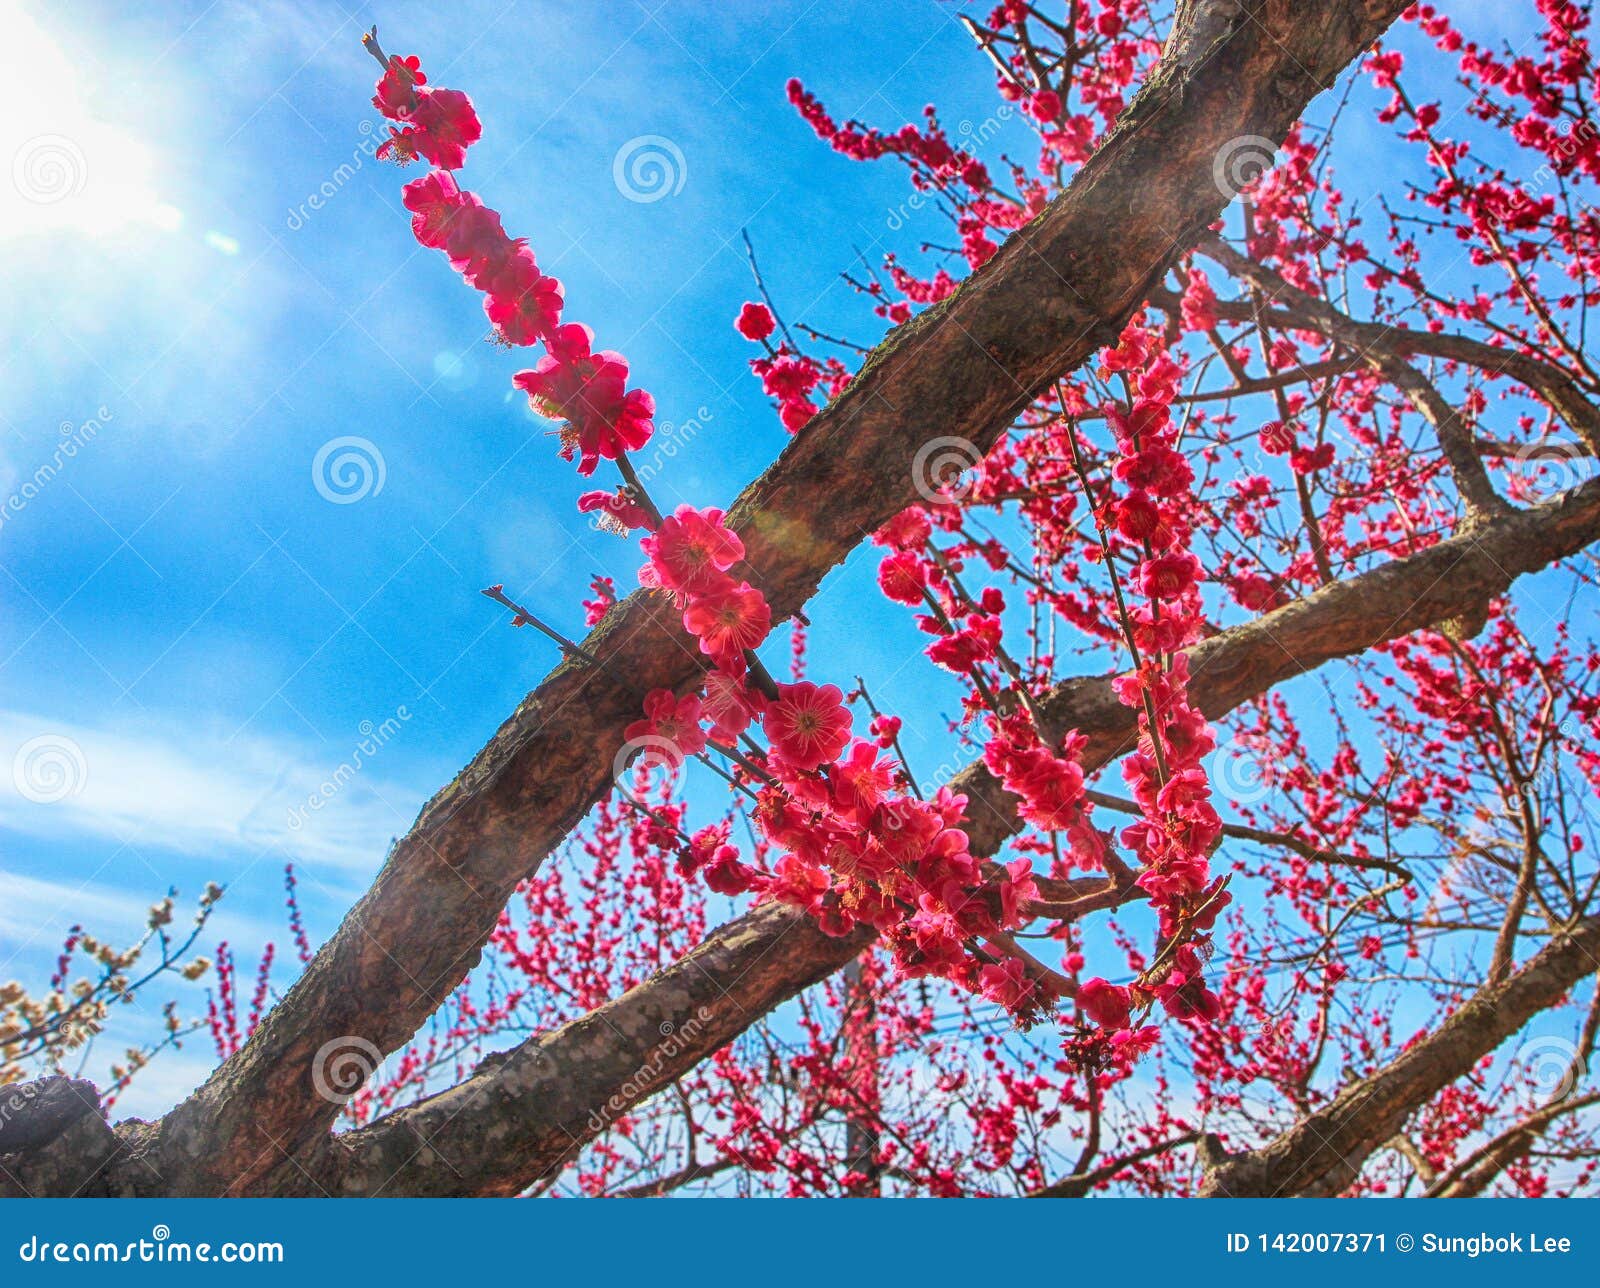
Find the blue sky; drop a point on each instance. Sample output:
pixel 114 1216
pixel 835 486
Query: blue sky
pixel 177 600
pixel 232 285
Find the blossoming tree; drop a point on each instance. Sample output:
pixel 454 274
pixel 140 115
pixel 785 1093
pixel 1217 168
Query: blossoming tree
pixel 1250 514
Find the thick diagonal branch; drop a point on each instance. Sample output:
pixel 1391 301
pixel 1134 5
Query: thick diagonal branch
pixel 510 1124
pixel 1057 290
pixel 1324 1152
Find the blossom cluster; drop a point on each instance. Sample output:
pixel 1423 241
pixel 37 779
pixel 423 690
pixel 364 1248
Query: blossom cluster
pixel 1109 553
pixel 1146 508
pixel 857 849
pixel 584 389
pixel 1178 827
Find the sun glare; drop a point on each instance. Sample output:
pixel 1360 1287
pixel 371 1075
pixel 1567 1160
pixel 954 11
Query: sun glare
pixel 67 169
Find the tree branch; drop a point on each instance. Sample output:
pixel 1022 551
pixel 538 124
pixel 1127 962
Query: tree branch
pixel 1057 290
pixel 535 1111
pixel 1324 1152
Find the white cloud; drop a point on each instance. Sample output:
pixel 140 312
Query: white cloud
pixel 27 903
pixel 35 912
pixel 191 791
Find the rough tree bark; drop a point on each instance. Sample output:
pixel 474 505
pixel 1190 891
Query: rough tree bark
pixel 531 1111
pixel 1322 1153
pixel 1056 291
